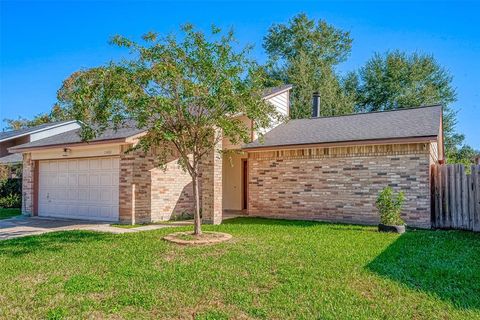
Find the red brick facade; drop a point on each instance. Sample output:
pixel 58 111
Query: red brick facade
pixel 335 185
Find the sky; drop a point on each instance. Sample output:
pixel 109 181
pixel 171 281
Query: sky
pixel 42 43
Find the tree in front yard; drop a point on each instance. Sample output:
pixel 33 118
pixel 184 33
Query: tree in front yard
pixel 184 91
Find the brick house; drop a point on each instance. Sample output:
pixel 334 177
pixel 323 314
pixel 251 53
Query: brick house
pixel 327 168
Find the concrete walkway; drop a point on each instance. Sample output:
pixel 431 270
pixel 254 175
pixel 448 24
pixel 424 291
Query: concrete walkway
pixel 22 226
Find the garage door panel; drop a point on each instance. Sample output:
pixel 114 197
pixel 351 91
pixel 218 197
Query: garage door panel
pixel 94 164
pixel 93 177
pixel 106 179
pixel 72 165
pixel 83 165
pixel 61 179
pixel 79 188
pixel 83 194
pixel 82 179
pixel 73 179
pixel 61 165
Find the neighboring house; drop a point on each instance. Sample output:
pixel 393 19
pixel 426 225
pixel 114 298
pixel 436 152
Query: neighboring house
pixel 321 169
pixel 13 138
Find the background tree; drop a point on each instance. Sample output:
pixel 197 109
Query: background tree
pixel 181 90
pixel 56 114
pixel 396 80
pixel 304 53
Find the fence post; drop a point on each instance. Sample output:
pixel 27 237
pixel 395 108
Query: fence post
pixel 444 192
pixel 476 197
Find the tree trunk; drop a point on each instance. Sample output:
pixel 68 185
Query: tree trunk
pixel 197 229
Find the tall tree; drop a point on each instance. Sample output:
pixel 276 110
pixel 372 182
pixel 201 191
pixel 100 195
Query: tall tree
pixel 396 80
pixel 304 52
pixel 181 90
pixel 56 114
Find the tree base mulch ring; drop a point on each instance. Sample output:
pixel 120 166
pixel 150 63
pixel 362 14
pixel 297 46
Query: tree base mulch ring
pixel 188 238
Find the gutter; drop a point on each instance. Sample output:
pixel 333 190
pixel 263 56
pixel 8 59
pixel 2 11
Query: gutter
pixel 66 145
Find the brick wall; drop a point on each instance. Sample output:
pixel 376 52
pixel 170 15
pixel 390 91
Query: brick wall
pixel 211 184
pixel 28 184
pixel 150 193
pixel 339 186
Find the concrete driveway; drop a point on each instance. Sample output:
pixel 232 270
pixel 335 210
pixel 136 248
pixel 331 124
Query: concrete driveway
pixel 22 226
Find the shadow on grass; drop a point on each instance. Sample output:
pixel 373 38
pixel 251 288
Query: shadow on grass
pixel 49 242
pixel 445 264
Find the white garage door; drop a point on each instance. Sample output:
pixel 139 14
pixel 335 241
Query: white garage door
pixel 79 188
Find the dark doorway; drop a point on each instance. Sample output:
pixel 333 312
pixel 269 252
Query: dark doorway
pixel 244 184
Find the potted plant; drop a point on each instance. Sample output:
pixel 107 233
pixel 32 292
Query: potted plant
pixel 389 207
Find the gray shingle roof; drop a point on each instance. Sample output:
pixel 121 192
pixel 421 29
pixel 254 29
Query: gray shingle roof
pixel 73 136
pixel 4 135
pixel 404 123
pixel 273 90
pixel 11 158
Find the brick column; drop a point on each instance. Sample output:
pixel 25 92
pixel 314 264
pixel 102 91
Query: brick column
pixel 28 184
pixel 211 192
pixel 126 189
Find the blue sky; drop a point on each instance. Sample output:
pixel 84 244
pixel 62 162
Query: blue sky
pixel 42 43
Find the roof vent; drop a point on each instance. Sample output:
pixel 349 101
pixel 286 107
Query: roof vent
pixel 316 105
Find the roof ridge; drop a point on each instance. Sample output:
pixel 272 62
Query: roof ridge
pixel 371 112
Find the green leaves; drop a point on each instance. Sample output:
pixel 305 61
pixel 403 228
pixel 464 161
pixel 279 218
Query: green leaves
pixel 180 89
pixel 304 53
pixel 390 206
pixel 397 80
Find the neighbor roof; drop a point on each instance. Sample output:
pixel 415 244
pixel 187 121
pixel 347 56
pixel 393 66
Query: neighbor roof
pixel 11 158
pixel 404 123
pixel 8 135
pixel 73 137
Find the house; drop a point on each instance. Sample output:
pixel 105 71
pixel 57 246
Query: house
pixel 68 178
pixel 13 138
pixel 323 168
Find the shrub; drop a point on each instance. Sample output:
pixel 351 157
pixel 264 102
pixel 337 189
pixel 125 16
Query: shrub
pixel 389 206
pixel 11 201
pixel 10 186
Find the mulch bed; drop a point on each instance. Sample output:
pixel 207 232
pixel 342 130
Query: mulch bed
pixel 187 238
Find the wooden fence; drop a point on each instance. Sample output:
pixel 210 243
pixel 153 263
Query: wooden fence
pixel 456 197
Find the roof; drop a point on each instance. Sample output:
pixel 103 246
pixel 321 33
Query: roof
pixel 11 158
pixel 73 137
pixel 8 135
pixel 404 123
pixel 276 90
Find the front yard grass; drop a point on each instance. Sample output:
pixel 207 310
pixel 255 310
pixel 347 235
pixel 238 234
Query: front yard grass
pixel 9 213
pixel 271 269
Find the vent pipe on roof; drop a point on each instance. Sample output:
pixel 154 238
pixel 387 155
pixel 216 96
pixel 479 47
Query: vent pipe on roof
pixel 316 105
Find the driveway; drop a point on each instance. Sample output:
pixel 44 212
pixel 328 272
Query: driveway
pixel 22 226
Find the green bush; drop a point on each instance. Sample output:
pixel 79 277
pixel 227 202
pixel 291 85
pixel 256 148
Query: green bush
pixel 11 201
pixel 10 186
pixel 389 206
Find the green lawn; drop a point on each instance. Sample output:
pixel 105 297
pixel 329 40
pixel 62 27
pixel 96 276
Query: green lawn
pixel 8 213
pixel 271 270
